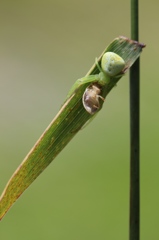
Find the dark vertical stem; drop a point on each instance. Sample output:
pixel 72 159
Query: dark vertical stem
pixel 134 134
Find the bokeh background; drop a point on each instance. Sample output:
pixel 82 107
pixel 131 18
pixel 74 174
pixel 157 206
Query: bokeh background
pixel 84 194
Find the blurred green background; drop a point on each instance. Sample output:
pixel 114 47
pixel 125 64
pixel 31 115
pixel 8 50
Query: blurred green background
pixel 84 194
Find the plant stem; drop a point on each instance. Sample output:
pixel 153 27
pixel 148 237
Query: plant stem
pixel 134 233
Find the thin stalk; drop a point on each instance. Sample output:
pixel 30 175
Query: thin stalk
pixel 134 233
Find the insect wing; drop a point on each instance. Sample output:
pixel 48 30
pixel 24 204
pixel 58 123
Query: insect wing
pixel 90 99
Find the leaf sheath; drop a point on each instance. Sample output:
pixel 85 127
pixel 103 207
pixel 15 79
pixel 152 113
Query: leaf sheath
pixel 70 119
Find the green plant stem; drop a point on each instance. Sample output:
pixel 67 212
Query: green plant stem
pixel 134 233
